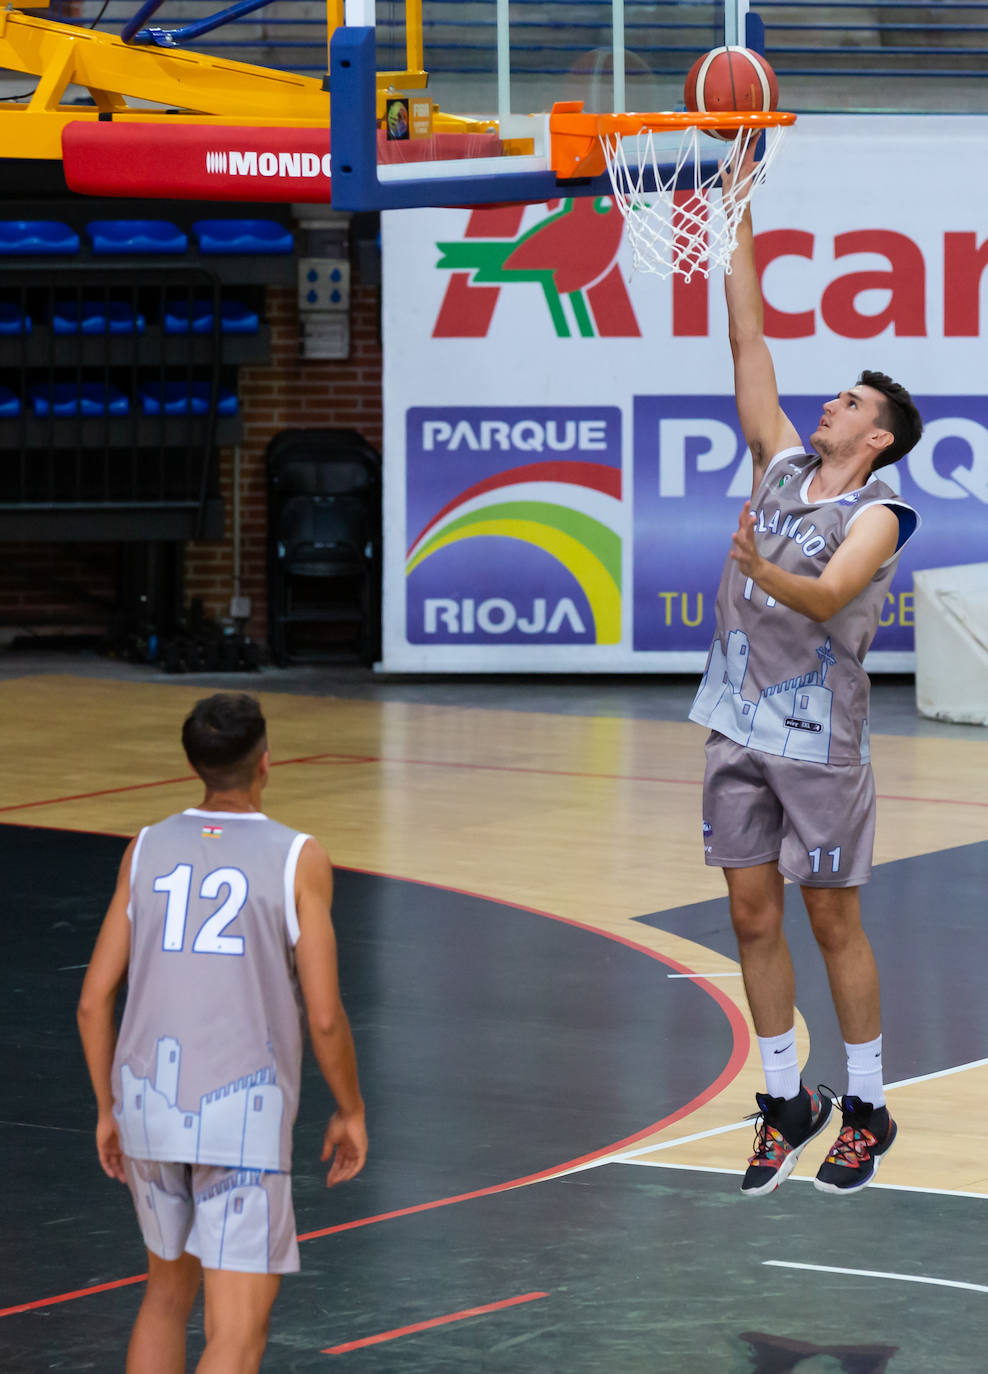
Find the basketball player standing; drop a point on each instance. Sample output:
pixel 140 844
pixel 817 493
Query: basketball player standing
pixel 788 789
pixel 221 923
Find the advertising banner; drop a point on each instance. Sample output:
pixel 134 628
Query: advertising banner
pixel 563 460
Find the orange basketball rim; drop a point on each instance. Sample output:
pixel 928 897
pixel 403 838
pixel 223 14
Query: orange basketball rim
pixel 576 147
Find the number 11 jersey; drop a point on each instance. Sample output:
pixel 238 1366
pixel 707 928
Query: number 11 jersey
pixel 208 1059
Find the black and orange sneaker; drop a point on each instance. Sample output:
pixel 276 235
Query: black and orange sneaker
pixel 867 1134
pixel 785 1127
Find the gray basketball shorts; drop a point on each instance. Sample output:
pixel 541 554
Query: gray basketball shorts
pixel 236 1219
pixel 816 819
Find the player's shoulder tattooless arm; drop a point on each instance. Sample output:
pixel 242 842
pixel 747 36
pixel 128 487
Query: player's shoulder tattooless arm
pixel 313 881
pixel 314 864
pixel 877 528
pixel 112 950
pixel 907 520
pixel 868 545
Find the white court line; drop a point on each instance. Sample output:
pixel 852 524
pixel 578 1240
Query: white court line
pixel 65 967
pixel 628 1156
pixel 735 974
pixel 879 1274
pixel 940 1073
pixel 793 1178
pixel 37 1126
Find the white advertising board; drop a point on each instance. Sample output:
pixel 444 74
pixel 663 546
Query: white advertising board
pixel 563 463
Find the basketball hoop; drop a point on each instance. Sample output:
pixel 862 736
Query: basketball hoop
pixel 661 183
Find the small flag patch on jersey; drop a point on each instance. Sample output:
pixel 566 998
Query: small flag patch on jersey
pixel 212 832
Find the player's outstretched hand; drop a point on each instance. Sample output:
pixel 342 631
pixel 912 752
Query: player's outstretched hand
pixel 743 548
pixel 108 1148
pixel 737 171
pixel 345 1142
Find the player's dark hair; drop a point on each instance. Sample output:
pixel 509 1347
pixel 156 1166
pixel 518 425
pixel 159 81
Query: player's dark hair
pixel 897 414
pixel 223 737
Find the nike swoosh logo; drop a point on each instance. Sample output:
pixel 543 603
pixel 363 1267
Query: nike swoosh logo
pixel 784 1048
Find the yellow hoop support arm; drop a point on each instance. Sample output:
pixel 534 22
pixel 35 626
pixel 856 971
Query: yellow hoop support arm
pixel 574 137
pixel 203 87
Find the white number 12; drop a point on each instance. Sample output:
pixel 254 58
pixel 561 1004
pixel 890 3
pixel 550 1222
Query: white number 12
pixel 210 939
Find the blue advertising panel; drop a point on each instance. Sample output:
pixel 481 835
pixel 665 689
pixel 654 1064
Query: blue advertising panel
pixel 513 520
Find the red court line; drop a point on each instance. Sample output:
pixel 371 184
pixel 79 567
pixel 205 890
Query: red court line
pixel 169 782
pixel 67 1297
pixel 520 768
pixel 103 792
pixel 444 763
pixel 435 1321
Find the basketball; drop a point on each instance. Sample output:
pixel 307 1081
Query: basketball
pixel 730 78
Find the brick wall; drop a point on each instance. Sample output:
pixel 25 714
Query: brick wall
pixel 69 586
pixel 72 586
pixel 291 392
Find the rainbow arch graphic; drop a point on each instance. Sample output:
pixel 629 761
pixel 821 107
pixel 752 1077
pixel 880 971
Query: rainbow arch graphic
pixel 568 508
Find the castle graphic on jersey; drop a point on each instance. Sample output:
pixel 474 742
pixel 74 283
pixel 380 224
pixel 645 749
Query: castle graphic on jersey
pixel 791 718
pixel 238 1123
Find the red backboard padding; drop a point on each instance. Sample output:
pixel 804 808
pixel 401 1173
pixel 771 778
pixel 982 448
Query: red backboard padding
pixel 227 162
pixel 196 161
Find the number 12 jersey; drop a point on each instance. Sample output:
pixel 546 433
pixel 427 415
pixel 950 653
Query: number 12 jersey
pixel 208 1059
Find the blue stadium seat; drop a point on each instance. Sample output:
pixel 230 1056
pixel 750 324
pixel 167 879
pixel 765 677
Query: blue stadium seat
pixel 9 403
pixel 184 398
pixel 242 236
pixel 20 237
pixel 111 236
pixel 96 317
pixel 85 398
pixel 196 317
pixel 13 319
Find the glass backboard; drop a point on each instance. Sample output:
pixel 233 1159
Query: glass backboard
pixel 502 65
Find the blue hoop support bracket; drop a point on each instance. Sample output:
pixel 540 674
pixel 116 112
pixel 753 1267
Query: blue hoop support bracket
pixel 353 122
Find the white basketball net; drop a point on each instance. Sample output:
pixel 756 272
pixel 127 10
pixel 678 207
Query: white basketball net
pixel 687 228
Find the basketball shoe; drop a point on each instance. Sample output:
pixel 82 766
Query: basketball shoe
pixel 867 1134
pixel 784 1128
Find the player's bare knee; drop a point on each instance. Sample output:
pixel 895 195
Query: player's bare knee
pixel 242 1345
pixel 835 917
pixel 173 1284
pixel 835 931
pixel 170 1300
pixel 755 920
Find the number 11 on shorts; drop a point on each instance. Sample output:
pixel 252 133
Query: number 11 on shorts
pixel 832 854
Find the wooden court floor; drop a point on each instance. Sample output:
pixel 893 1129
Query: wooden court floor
pixel 588 818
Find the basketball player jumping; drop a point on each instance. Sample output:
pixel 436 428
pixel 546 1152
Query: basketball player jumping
pixel 219 920
pixel 788 790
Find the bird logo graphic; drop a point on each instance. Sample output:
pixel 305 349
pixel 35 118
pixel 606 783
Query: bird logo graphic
pixel 571 255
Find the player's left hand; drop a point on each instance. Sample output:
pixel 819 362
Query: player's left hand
pixel 738 170
pixel 743 548
pixel 108 1148
pixel 345 1143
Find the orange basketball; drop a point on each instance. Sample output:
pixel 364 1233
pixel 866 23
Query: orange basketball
pixel 731 79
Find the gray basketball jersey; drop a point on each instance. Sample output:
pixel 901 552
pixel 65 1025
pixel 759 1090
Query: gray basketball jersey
pixel 776 680
pixel 207 1064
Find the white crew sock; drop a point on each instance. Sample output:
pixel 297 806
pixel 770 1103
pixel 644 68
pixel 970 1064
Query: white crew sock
pixel 781 1064
pixel 864 1071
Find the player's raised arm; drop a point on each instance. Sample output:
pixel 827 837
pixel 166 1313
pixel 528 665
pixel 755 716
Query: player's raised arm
pixel 766 427
pixel 332 1042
